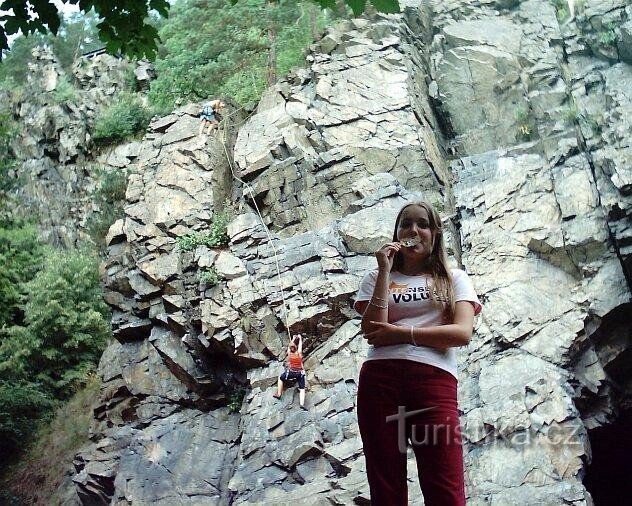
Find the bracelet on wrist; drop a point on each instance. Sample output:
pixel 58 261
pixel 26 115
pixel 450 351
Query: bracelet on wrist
pixel 381 306
pixel 379 298
pixel 412 335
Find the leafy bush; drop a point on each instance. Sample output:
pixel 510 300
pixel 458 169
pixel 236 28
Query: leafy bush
pixel 66 325
pixel 608 36
pixel 210 277
pixel 127 117
pixel 21 257
pixel 525 125
pixel 53 328
pixel 216 236
pixel 246 86
pixel 293 41
pixel 22 406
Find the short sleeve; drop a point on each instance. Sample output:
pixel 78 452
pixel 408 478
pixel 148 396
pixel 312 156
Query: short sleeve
pixel 365 292
pixel 464 290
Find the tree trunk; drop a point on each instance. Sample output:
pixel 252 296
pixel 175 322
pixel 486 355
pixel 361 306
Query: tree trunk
pixel 312 22
pixel 272 60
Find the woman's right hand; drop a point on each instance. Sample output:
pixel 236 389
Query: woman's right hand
pixel 386 254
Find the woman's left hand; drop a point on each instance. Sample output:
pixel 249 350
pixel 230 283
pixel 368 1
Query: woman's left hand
pixel 384 334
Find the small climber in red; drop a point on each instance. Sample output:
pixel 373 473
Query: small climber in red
pixel 294 370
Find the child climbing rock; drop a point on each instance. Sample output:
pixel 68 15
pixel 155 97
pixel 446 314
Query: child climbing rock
pixel 209 115
pixel 294 370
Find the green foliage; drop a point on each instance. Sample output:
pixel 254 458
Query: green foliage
pixel 65 326
pixel 21 257
pixel 14 66
pixel 358 6
pixel 561 10
pixel 125 118
pixel 77 35
pixel 521 114
pixel 572 114
pixel 53 328
pixel 128 26
pixel 210 277
pixel 214 237
pixel 7 161
pixel 130 80
pixel 246 86
pixel 294 39
pixel 524 122
pixel 607 36
pixel 22 406
pixel 215 49
pixel 125 25
pixel 109 198
pixel 64 91
pixel 236 398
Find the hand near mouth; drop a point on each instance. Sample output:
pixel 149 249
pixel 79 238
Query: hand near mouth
pixel 410 242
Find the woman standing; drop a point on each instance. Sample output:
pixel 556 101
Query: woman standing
pixel 415 312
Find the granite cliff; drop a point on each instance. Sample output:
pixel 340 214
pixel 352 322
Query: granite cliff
pixel 513 122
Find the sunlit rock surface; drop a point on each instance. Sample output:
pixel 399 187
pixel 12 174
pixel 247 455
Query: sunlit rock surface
pixel 513 123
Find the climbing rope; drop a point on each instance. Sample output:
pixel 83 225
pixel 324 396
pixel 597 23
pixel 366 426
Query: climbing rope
pixel 267 230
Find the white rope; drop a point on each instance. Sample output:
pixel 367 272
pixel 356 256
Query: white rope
pixel 270 239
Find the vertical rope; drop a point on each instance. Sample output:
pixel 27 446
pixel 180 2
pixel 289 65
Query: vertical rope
pixel 267 230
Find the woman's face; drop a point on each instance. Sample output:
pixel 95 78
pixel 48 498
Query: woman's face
pixel 415 223
pixel 293 349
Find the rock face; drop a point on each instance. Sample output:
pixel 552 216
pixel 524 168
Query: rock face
pixel 513 124
pixel 57 111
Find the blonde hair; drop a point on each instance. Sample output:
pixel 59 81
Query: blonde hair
pixel 437 262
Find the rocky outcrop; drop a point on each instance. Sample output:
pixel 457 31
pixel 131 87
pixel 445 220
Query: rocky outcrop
pixel 493 111
pixel 57 167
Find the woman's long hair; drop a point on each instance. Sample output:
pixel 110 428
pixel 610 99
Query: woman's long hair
pixel 443 292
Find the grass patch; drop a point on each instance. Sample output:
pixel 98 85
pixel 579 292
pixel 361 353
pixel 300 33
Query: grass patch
pixel 36 477
pixel 210 277
pixel 524 123
pixel 571 115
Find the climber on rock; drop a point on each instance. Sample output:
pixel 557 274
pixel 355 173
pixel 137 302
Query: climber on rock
pixel 294 370
pixel 210 115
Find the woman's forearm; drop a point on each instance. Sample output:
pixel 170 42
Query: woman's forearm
pixel 441 336
pixel 380 298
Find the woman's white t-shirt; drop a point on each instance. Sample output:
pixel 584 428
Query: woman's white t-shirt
pixel 409 303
